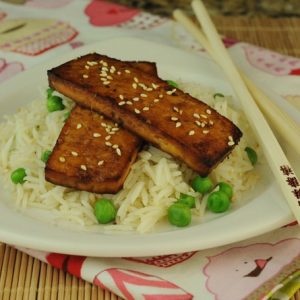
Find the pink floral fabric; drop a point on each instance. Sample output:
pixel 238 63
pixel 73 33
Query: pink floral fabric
pixel 230 272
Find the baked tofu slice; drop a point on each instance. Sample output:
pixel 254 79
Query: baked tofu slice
pixel 147 106
pixel 93 153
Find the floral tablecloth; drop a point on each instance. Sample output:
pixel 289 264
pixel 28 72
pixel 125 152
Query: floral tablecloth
pixel 264 267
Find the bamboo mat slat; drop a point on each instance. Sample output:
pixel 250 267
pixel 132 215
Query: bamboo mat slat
pixel 280 34
pixel 23 277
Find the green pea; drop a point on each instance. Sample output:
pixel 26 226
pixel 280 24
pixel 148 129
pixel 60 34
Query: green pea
pixel 49 92
pixel 66 116
pixel 218 202
pixel 179 215
pixel 45 156
pixel 202 185
pixel 187 200
pixel 105 211
pixel 18 175
pixel 55 103
pixel 172 83
pixel 218 95
pixel 252 155
pixel 226 188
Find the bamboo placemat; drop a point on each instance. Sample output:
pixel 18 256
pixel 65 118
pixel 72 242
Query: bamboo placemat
pixel 22 277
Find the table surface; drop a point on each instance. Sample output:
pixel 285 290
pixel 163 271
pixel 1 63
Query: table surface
pixel 23 277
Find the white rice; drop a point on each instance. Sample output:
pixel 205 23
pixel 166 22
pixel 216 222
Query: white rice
pixel 154 183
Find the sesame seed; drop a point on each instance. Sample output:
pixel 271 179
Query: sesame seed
pixel 74 153
pixel 113 68
pixel 143 95
pixel 195 115
pixel 104 64
pixel 203 116
pixel 171 92
pixel 115 146
pixel 205 131
pixel 136 99
pixel 135 79
pixel 143 86
pixel 103 74
pixel 211 122
pixel 103 124
pixel 96 134
pixel 198 123
pixel 119 73
pixel 156 100
pixel 161 96
pixel 119 151
pixel 78 126
pixel 83 167
pixel 109 77
pixel 62 159
pixel 122 103
pixel 230 138
pixel 202 124
pixel 87 67
pixel 149 89
pixel 175 109
pixel 100 162
pixel 231 143
pixel 91 63
pixel 174 118
pixel 109 144
pixel 121 97
pixel 115 129
pixel 134 85
pixel 137 111
pixel 104 69
pixel 127 71
pixel 85 76
pixel 129 102
pixel 106 82
pixel 146 108
pixel 180 112
pixel 101 61
pixel 103 79
pixel 155 86
pixel 208 111
pixel 191 132
pixel 178 124
pixel 107 137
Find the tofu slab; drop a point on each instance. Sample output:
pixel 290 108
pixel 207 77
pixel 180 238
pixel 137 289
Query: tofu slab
pixel 92 153
pixel 149 107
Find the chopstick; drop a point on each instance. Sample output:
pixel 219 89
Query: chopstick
pixel 279 164
pixel 286 127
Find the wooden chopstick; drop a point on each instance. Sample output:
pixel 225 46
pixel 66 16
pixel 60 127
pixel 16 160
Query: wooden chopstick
pixel 279 164
pixel 279 120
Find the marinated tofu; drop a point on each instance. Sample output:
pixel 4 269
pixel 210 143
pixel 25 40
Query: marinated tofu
pixel 93 153
pixel 149 107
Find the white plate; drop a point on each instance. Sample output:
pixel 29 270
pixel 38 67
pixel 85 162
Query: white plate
pixel 266 210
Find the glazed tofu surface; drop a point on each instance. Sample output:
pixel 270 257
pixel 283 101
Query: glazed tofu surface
pixel 149 107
